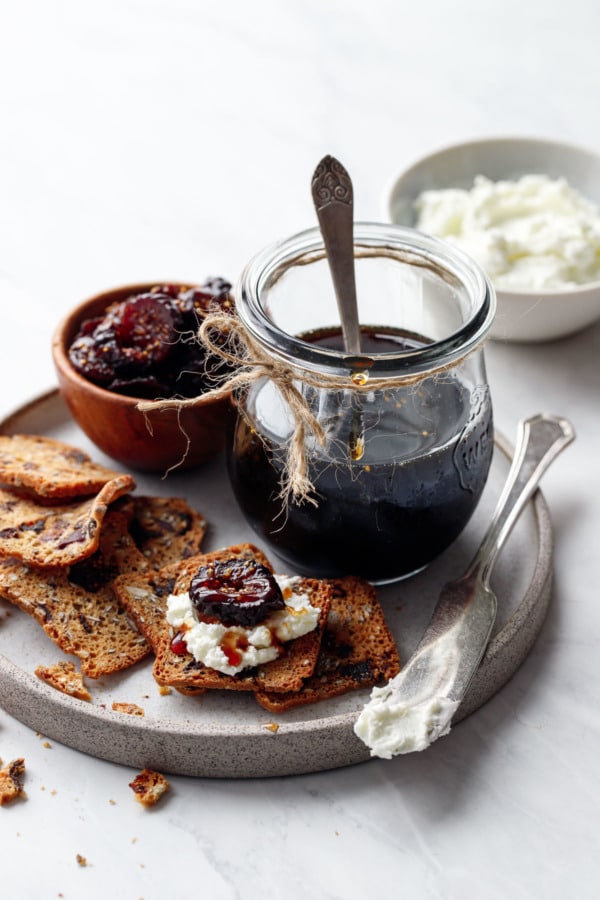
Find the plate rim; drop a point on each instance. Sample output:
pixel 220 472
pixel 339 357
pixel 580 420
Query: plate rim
pixel 200 749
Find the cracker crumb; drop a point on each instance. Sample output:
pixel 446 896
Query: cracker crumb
pixel 47 745
pixel 11 781
pixel 272 726
pixel 113 802
pixel 149 786
pixel 164 691
pixel 64 677
pixel 131 709
pixel 81 860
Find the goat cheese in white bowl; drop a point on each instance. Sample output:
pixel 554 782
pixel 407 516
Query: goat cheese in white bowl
pixel 535 233
pixel 528 212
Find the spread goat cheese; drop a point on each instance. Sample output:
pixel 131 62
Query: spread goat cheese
pixel 535 233
pixel 232 648
pixel 390 727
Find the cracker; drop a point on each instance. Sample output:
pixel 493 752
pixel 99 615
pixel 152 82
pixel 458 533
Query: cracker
pixel 11 781
pixel 56 535
pixel 130 709
pixel 149 787
pixel 186 691
pixel 64 677
pixel 166 529
pixel 49 468
pixel 76 605
pixel 146 601
pixel 357 650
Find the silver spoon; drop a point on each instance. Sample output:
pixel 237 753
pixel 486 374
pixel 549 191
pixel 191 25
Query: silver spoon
pixel 417 706
pixel 333 199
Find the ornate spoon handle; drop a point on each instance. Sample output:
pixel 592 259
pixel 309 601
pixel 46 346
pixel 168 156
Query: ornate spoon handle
pixel 333 200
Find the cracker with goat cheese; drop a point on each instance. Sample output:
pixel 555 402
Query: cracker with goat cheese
pixel 146 601
pixel 50 469
pixel 285 673
pixel 357 650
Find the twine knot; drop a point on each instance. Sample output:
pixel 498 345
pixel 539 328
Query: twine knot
pixel 225 337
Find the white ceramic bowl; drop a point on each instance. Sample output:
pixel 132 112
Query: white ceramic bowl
pixel 521 315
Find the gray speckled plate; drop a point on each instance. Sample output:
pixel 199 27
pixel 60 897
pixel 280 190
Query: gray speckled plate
pixel 222 735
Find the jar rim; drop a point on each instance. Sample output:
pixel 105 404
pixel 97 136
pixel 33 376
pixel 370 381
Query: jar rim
pixel 438 254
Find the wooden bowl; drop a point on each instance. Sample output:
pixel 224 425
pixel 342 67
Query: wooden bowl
pixel 152 441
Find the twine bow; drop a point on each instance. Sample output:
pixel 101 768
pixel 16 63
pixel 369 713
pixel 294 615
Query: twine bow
pixel 252 363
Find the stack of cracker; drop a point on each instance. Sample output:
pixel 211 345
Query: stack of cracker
pixel 68 528
pixel 351 647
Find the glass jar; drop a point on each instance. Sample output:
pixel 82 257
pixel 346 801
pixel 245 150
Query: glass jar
pixel 407 432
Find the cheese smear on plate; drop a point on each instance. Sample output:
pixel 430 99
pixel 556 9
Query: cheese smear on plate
pixel 390 726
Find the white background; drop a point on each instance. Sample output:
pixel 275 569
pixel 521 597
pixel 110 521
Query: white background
pixel 172 139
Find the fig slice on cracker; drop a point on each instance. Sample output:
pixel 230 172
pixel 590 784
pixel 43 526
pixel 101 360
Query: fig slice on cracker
pixel 59 534
pixel 286 673
pixel 144 595
pixel 48 468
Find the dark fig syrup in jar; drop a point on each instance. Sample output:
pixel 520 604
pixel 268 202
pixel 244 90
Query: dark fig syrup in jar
pixel 427 452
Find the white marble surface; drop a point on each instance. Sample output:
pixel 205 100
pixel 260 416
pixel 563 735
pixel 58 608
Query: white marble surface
pixel 173 139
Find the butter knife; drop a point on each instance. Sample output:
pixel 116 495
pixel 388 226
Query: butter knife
pixel 416 707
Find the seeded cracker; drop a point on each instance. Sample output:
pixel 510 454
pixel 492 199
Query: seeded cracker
pixel 357 650
pixel 76 605
pixel 64 677
pixel 166 529
pixel 145 600
pixel 49 468
pixel 56 535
